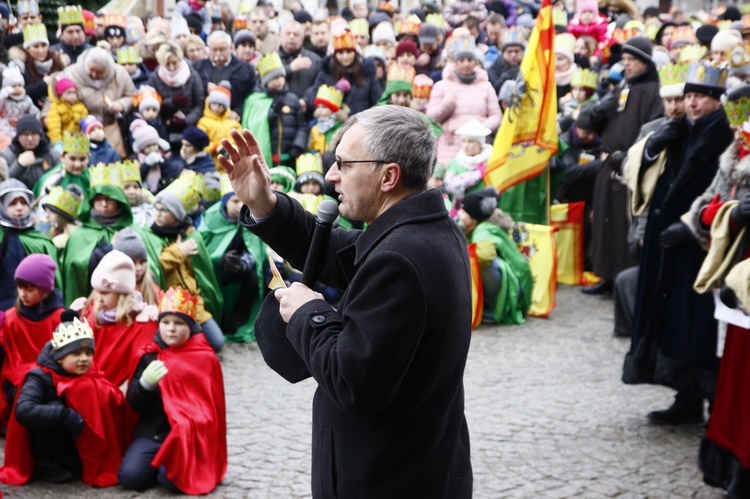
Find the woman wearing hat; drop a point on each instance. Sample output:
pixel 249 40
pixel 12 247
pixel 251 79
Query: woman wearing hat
pixel 37 62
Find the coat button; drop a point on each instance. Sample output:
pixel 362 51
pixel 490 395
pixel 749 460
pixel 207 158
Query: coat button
pixel 318 319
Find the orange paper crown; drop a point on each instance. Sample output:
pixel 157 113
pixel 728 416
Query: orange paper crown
pixel 401 72
pixel 145 92
pixel 344 41
pixel 115 19
pixel 386 6
pixel 421 87
pixel 178 301
pixel 239 22
pixel 409 27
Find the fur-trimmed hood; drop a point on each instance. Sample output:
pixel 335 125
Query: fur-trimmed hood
pixel 734 169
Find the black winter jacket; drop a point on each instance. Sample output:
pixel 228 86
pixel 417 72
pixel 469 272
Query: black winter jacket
pixel 359 98
pixel 46 158
pixel 241 77
pixel 287 125
pixel 153 423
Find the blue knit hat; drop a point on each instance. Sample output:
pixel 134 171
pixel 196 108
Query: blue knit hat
pixel 196 137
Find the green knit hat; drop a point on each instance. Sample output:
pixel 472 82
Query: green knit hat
pixel 285 176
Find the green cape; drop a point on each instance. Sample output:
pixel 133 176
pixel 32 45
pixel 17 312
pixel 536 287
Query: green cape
pixel 218 233
pixel 81 180
pixel 34 241
pixel 255 119
pixel 511 305
pixel 84 239
pixel 202 267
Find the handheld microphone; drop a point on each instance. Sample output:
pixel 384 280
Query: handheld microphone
pixel 327 212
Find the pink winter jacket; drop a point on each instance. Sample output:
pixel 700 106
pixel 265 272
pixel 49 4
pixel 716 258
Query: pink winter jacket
pixel 477 100
pixel 598 30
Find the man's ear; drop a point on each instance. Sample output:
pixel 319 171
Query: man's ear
pixel 391 177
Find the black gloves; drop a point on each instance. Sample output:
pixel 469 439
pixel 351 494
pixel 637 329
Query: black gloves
pixel 72 421
pixel 608 104
pixel 668 132
pixel 294 152
pixel 675 235
pixel 741 212
pixel 234 263
pixel 727 297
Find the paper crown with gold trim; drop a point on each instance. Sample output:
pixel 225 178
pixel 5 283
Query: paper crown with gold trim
pixel 33 34
pixel 672 78
pixel 410 27
pixel 211 186
pixel 225 185
pixel 239 22
pixel 310 167
pixel 706 74
pixel 584 78
pixel 130 170
pixel 268 63
pixel 329 96
pixel 89 22
pixel 513 36
pixel 359 27
pixel 344 41
pixel 559 17
pixel 739 56
pixel 128 55
pixel 146 93
pixel 178 301
pixel 401 72
pixel 214 10
pixel 71 336
pixel 115 19
pixel 70 14
pixel 106 174
pixel 62 199
pixel 421 87
pixel 623 35
pixel 738 111
pixel 76 143
pixel 387 7
pixel 682 35
pixel 28 7
pixel 436 19
pixel 692 53
pixel 189 188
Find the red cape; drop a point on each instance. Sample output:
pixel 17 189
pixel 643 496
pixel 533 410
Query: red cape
pixel 117 347
pixel 102 443
pixel 195 450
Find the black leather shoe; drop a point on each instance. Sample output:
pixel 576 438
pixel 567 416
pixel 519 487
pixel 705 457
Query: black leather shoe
pixel 603 287
pixel 675 416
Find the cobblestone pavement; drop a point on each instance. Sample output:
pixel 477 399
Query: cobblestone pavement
pixel 547 413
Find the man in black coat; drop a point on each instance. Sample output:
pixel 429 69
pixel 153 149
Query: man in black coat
pixel 221 65
pixel 301 65
pixel 507 66
pixel 388 414
pixel 674 336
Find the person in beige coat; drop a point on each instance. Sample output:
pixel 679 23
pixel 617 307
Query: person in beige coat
pixel 105 88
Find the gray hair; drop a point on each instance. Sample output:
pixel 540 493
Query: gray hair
pixel 399 135
pixel 100 56
pixel 167 49
pixel 219 36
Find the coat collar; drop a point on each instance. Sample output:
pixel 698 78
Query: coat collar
pixel 736 170
pixel 422 207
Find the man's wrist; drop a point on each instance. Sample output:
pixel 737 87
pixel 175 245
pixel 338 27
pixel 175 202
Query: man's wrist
pixel 260 213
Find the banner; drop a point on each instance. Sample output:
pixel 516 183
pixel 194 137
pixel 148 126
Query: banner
pixel 568 219
pixel 537 243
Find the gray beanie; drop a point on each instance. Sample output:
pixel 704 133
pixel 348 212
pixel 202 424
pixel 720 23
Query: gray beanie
pixel 12 189
pixel 639 47
pixel 129 242
pixel 173 203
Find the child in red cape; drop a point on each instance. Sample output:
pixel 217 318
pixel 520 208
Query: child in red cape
pixel 69 420
pixel 122 323
pixel 178 390
pixel 29 325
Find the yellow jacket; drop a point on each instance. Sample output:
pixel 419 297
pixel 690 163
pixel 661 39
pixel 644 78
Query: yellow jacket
pixel 63 117
pixel 217 127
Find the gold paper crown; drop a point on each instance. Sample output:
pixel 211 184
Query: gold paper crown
pixel 214 10
pixel 623 35
pixel 76 143
pixel 683 34
pixel 128 55
pixel 145 92
pixel 268 63
pixel 739 56
pixel 178 301
pixel 130 171
pixel 67 333
pixel 34 32
pixel 115 19
pixel 692 53
pixel 359 26
pixel 225 185
pixel 189 187
pixel 559 17
pixel 584 78
pixel 28 7
pixel 436 19
pixel 672 74
pixel 64 200
pixel 421 87
pixel 708 74
pixel 239 22
pixel 329 96
pixel 746 132
pixel 738 111
pixel 103 174
pixel 89 22
pixel 514 36
pixel 386 6
pixel 309 163
pixel 401 72
pixel 410 27
pixel 70 14
pixel 344 41
pixel 724 24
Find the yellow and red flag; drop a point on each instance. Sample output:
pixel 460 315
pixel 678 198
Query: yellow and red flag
pixel 527 137
pixel 477 295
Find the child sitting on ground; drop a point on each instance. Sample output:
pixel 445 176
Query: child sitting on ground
pixel 464 173
pixel 178 390
pixel 100 150
pixel 65 113
pixel 69 421
pixel 14 103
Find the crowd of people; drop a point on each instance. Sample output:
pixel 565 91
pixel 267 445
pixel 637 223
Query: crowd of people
pixel 125 266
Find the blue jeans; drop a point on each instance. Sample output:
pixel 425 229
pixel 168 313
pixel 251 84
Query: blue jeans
pixel 214 335
pixel 136 472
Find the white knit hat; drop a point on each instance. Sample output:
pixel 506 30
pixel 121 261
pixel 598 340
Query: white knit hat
pixel 726 40
pixel 12 76
pixel 114 274
pixel 384 32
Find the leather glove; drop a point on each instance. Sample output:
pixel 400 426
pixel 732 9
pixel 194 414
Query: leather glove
pixel 231 263
pixel 741 212
pixel 180 100
pixel 668 132
pixel 727 297
pixel 675 235
pixel 72 421
pixel 153 373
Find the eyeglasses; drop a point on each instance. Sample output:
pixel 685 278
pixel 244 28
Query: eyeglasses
pixel 340 163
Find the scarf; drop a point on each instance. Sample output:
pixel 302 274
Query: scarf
pixel 107 316
pixel 325 124
pixel 465 79
pixel 563 78
pixel 172 232
pixel 14 222
pixel 177 78
pixel 106 220
pixel 43 68
pixel 473 162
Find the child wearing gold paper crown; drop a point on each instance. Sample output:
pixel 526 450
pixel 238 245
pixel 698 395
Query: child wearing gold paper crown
pixel 73 170
pixel 216 121
pixel 398 89
pixel 141 200
pixel 308 188
pixel 420 92
pixel 61 206
pixel 66 111
pixel 177 255
pixel 69 420
pixel 129 58
pixel 178 391
pixel 330 114
pixel 147 102
pixel 583 91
